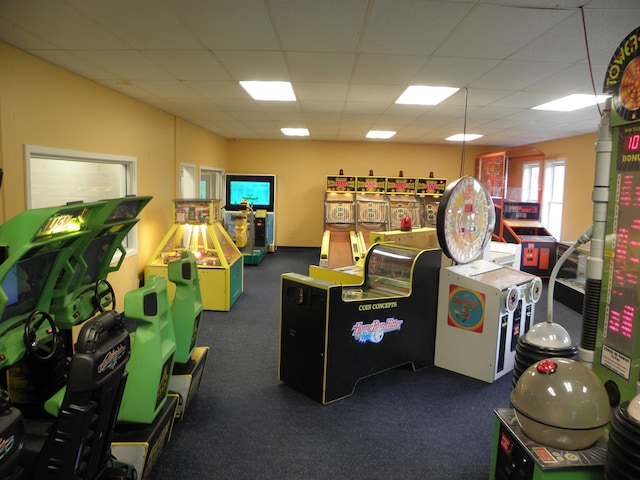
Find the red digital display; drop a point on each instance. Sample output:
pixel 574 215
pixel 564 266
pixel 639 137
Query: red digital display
pixel 632 143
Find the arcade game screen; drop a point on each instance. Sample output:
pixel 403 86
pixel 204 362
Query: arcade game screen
pixel 24 283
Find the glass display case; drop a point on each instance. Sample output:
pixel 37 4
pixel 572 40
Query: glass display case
pixel 219 261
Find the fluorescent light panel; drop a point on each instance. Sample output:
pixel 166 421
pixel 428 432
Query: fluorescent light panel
pixel 462 137
pixel 425 95
pixel 380 134
pixel 572 102
pixel 295 132
pixel 269 91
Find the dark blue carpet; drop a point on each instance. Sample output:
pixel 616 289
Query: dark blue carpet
pixel 244 424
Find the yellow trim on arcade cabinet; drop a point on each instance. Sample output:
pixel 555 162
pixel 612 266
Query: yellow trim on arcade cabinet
pixel 324 249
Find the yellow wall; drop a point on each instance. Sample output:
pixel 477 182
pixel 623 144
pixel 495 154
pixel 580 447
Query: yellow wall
pixel 579 153
pixel 42 104
pixel 302 166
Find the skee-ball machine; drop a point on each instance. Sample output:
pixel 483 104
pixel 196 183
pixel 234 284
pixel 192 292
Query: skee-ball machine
pixel 331 335
pixel 483 307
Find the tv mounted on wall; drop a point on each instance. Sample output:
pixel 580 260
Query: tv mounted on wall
pixel 258 190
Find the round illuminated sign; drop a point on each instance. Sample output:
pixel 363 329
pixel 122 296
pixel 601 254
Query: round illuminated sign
pixel 465 220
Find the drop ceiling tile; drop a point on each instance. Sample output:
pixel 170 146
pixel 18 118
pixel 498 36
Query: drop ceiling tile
pixel 452 72
pixel 409 27
pixel 320 92
pixel 126 64
pixel 266 66
pixel 374 93
pixel 60 23
pixel 389 69
pixel 326 26
pixel 72 62
pixel 188 64
pixel 517 75
pixel 320 67
pixel 227 24
pixel 219 90
pixel 21 38
pixel 139 23
pixel 496 32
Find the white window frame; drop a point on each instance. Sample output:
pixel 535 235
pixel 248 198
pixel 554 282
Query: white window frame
pixel 36 155
pixel 218 175
pixel 527 184
pixel 549 195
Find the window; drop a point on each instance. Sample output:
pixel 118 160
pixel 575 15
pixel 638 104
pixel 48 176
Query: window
pixel 530 182
pixel 211 183
pixel 56 177
pixel 553 196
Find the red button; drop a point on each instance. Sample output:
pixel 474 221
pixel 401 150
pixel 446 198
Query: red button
pixel 547 366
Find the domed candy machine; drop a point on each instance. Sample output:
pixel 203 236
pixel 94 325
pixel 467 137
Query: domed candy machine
pixel 556 428
pixel 483 307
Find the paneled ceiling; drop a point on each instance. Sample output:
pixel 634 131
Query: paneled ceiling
pixel 348 61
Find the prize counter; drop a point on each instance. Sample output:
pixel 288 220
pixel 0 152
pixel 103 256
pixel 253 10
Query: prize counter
pixel 219 262
pixel 332 335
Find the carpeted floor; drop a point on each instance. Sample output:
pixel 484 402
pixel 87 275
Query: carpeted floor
pixel 244 424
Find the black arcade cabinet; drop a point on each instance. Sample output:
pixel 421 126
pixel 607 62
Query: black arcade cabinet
pixel 331 335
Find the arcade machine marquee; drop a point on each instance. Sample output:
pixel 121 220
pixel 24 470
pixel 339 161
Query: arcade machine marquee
pixel 483 307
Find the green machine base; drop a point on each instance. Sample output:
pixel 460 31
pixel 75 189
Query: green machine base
pixel 516 456
pixel 255 256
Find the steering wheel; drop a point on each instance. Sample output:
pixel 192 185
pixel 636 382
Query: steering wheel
pixel 104 296
pixel 41 350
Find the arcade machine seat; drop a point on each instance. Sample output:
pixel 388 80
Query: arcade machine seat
pixel 78 444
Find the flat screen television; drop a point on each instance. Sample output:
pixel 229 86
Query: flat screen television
pixel 258 190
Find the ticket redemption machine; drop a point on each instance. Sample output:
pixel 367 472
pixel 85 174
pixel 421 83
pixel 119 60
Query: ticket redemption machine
pixel 372 206
pixel 331 335
pixel 342 246
pixel 220 263
pixel 483 307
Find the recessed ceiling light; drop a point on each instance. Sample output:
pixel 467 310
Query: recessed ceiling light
pixel 572 102
pixel 424 95
pixel 463 137
pixel 380 134
pixel 270 91
pixel 295 132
